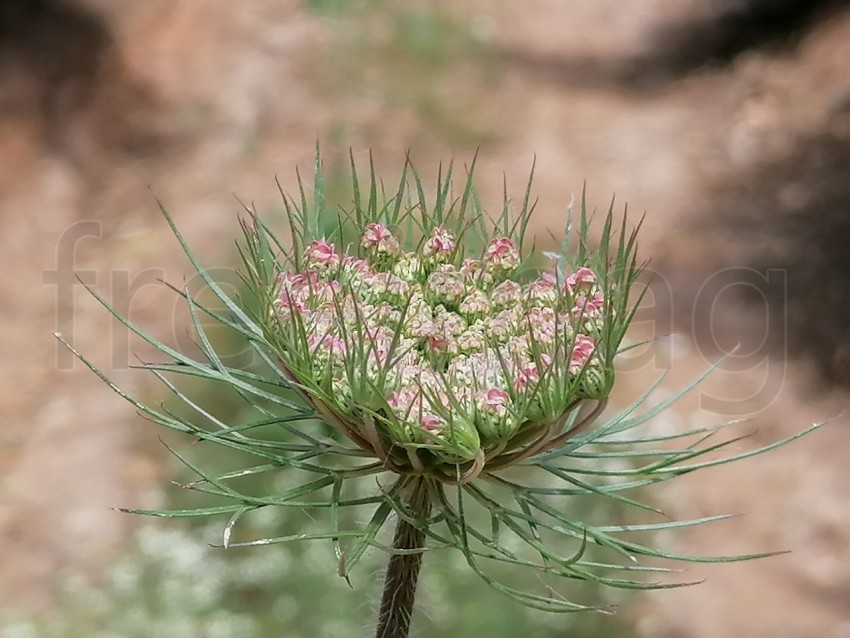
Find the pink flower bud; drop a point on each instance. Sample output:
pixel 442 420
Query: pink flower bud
pixel 583 349
pixel 493 401
pixel 285 305
pixel 581 280
pixel 526 378
pixel 474 270
pixel 471 267
pixel 408 268
pixel 450 323
pixel 378 237
pixel 502 253
pixel 437 343
pixel 298 282
pixel 468 341
pixel 385 286
pixel 374 234
pixel 297 291
pixel 440 243
pixel 420 326
pixel 402 401
pixel 500 327
pixel 356 266
pixel 322 292
pixel 461 345
pixel 321 253
pixel 432 424
pixel 589 307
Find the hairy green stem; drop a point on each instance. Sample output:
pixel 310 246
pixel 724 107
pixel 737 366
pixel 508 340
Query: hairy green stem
pixel 403 569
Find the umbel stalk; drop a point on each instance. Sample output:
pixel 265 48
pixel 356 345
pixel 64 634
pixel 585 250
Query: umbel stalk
pixel 403 569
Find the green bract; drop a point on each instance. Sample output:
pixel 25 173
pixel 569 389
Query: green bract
pixel 456 367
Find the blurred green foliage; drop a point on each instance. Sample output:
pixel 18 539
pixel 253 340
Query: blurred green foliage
pixel 170 583
pixel 422 58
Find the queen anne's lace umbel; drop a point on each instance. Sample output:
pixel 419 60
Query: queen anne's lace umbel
pixel 439 352
pixel 448 358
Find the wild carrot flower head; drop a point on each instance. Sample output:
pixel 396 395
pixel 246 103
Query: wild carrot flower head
pixel 441 349
pixel 439 346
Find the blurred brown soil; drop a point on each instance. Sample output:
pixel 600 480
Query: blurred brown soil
pixel 196 100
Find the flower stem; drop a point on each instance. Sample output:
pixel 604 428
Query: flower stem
pixel 403 569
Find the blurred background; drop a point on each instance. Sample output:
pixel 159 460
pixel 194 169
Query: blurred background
pixel 726 121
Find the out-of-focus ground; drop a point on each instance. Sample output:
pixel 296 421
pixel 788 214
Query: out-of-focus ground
pixel 103 101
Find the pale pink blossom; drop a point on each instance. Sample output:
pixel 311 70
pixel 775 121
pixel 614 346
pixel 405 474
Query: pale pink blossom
pixel 475 271
pixel 296 290
pixel 446 286
pixel 468 341
pixel 324 292
pixel 421 326
pixel 408 267
pixel 285 305
pixel 500 327
pixel 476 369
pixel 306 288
pixel 542 324
pixel 411 370
pixel 322 321
pixel 402 401
pixel 543 290
pixel 450 323
pixel 377 355
pixel 298 281
pixel 386 314
pixel 506 293
pixel 385 284
pixel 471 267
pixel 475 304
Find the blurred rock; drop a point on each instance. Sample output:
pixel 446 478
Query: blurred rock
pixel 793 216
pixel 720 31
pixel 61 71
